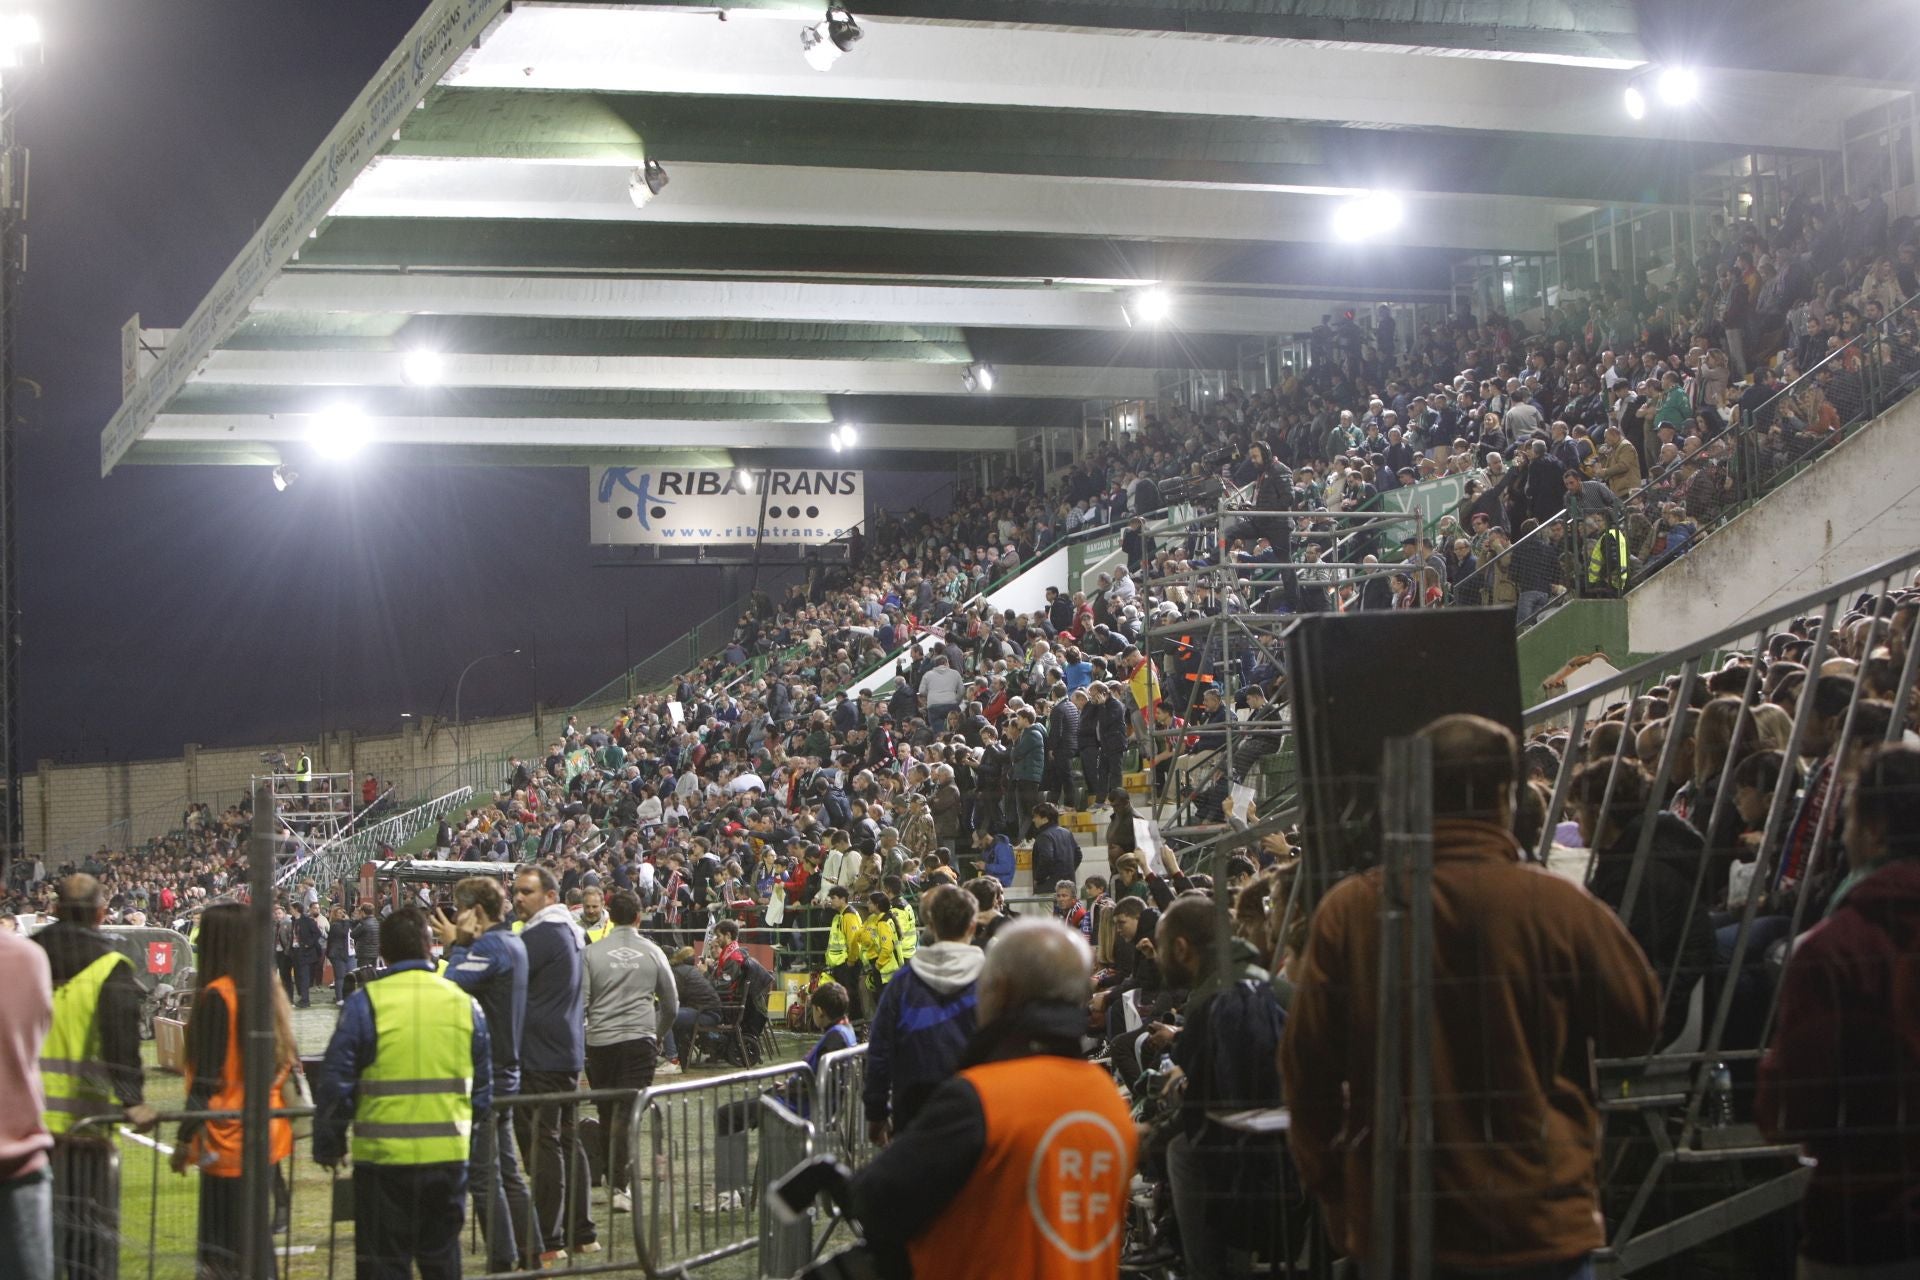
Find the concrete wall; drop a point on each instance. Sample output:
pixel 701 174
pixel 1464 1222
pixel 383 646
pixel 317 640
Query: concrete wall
pixel 1853 509
pixel 72 809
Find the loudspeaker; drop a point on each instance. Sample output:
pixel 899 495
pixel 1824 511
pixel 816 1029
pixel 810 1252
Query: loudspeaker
pixel 1359 679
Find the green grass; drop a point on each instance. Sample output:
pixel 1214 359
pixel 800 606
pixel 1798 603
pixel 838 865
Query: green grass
pixel 159 1209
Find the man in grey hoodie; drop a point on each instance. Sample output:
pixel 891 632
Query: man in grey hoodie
pixel 925 1016
pixel 630 996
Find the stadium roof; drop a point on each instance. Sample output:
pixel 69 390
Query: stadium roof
pixel 971 183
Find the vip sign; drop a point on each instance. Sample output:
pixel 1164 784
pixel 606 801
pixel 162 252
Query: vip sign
pixel 699 506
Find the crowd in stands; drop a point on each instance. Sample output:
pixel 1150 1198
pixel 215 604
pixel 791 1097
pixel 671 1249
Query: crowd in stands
pixel 781 793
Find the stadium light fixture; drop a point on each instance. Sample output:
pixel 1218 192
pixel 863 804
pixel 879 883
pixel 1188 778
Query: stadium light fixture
pixel 744 478
pixel 19 32
pixel 339 431
pixel 1635 102
pixel 1149 306
pixel 822 43
pixel 847 436
pixel 977 377
pixel 646 182
pixel 1677 86
pixel 283 478
pixel 1368 216
pixel 423 368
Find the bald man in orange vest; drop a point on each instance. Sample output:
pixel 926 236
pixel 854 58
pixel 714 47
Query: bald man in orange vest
pixel 1019 1165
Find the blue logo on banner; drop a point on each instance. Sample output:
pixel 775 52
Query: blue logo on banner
pixel 646 508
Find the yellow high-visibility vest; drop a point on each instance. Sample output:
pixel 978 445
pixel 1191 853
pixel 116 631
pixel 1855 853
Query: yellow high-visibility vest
pixel 413 1103
pixel 75 1079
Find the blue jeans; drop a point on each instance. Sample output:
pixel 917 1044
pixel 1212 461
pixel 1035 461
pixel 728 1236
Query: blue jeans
pixel 26 1227
pixel 500 1199
pixel 685 1023
pixel 1530 603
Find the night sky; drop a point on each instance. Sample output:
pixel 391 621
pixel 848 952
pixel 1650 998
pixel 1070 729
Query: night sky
pixel 195 604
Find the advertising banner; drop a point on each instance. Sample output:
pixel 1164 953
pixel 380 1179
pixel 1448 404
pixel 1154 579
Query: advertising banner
pixel 665 506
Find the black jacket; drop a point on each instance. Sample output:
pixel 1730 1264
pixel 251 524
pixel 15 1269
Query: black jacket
pixel 1666 921
pixel 1056 857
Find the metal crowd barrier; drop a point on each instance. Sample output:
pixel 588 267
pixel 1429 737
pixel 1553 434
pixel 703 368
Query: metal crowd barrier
pixel 841 1121
pixel 702 1163
pixel 121 1213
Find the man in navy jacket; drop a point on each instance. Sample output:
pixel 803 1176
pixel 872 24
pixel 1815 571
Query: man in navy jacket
pixel 925 1016
pixel 553 1053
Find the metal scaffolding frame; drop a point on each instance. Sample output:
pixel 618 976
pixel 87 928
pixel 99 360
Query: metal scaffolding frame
pixel 1232 630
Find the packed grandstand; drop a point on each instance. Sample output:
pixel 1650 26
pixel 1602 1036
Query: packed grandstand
pixel 773 773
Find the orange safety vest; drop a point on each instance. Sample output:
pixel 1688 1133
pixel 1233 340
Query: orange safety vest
pixel 216 1148
pixel 1052 1178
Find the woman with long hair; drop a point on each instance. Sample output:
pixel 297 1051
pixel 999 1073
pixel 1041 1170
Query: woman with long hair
pixel 216 1082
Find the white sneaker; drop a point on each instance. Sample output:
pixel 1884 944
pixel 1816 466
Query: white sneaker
pixel 622 1202
pixel 668 1068
pixel 721 1202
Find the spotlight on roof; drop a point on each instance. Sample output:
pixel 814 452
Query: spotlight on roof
pixel 283 478
pixel 339 431
pixel 1677 86
pixel 823 42
pixel 847 436
pixel 1366 216
pixel 838 444
pixel 1635 102
pixel 977 377
pixel 19 32
pixel 1150 306
pixel 744 478
pixel 423 368
pixel 646 182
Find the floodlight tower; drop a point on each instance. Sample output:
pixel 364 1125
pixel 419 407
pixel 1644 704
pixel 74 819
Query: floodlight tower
pixel 20 51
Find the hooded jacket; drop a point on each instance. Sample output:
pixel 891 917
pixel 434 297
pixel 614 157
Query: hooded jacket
pixel 919 1031
pixel 1843 1074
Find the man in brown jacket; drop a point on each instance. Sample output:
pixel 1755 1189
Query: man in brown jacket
pixel 1529 970
pixel 1619 462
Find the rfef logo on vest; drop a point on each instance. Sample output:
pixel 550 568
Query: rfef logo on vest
pixel 1077 1184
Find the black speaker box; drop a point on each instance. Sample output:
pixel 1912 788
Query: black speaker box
pixel 1358 679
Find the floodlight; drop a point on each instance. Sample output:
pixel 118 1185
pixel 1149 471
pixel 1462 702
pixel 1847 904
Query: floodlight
pixel 423 368
pixel 837 443
pixel 1678 86
pixel 822 43
pixel 1366 216
pixel 1152 305
pixel 744 478
pixel 283 478
pixel 18 33
pixel 1636 102
pixel 338 431
pixel 646 182
pixel 849 437
pixel 977 377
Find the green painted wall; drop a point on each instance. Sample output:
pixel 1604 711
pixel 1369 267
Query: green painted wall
pixel 1579 626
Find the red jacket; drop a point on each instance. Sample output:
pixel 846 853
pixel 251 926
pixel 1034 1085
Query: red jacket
pixel 1844 1069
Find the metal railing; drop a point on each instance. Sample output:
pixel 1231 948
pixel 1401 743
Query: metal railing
pixel 342 857
pixel 1688 1102
pixel 840 1121
pixel 699 1152
pixel 1755 454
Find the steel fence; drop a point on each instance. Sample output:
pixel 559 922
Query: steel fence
pixel 1648 765
pixel 705 1165
pixel 122 1213
pixel 841 1121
